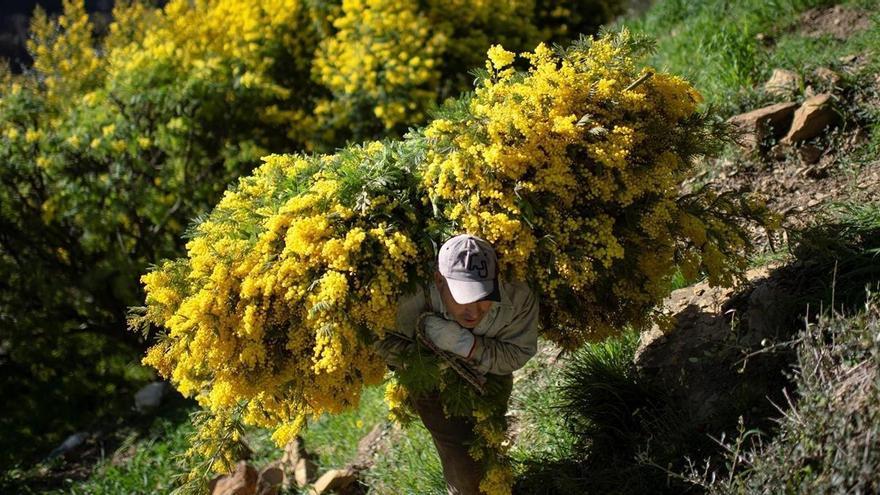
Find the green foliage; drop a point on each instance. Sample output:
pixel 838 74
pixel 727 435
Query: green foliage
pixel 607 413
pixel 151 468
pixel 334 439
pixel 112 146
pixel 826 442
pixel 599 393
pixel 541 432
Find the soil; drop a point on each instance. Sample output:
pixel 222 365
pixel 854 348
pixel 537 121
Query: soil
pixel 798 189
pixel 839 22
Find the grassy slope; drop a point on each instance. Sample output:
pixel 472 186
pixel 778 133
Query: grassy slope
pixel 720 35
pixel 714 43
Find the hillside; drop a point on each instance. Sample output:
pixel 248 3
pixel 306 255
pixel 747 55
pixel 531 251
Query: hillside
pixel 769 387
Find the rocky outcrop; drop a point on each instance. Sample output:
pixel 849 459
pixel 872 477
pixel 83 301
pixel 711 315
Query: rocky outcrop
pixel 812 118
pixel 702 362
pixel 342 481
pixel 759 124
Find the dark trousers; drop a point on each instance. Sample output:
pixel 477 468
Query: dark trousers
pixel 452 437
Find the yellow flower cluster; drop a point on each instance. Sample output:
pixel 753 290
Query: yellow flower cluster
pixel 315 74
pixel 66 57
pixel 274 314
pixel 573 169
pixel 385 52
pixel 570 170
pixel 236 42
pixel 391 60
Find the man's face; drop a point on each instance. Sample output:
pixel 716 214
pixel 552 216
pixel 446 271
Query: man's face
pixel 467 315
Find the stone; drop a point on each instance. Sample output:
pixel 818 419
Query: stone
pixel 368 447
pixel 827 76
pixel 698 362
pixel 293 451
pixel 149 396
pixel 763 122
pixel 299 463
pixel 335 480
pixel 305 472
pixel 69 444
pixel 782 83
pixel 243 481
pixel 271 479
pixel 811 119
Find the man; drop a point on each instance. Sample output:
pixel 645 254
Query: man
pixel 490 323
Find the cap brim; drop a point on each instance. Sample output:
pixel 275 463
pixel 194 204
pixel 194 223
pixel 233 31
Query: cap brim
pixel 467 291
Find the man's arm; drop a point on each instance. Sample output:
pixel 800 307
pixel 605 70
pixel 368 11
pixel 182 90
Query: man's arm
pixel 402 338
pixel 514 344
pixel 392 347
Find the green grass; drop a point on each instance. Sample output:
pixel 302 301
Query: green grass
pixel 540 426
pixel 714 44
pixel 150 466
pixel 412 466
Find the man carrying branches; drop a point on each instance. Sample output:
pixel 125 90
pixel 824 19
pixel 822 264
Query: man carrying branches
pixel 480 325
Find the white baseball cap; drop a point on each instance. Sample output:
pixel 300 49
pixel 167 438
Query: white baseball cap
pixel 468 264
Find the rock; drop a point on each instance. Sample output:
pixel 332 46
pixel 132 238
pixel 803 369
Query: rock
pixel 809 154
pixel 243 481
pixel 271 479
pixel 297 461
pixel 763 122
pixel 765 39
pixel 809 92
pixel 336 480
pixel 827 76
pixel 782 83
pixel 368 446
pixel 293 451
pixel 305 472
pixel 69 444
pixel 695 362
pixel 149 396
pixel 812 118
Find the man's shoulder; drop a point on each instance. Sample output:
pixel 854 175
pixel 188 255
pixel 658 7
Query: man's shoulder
pixel 411 302
pixel 517 293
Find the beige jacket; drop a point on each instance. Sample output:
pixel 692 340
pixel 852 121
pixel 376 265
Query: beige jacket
pixel 506 337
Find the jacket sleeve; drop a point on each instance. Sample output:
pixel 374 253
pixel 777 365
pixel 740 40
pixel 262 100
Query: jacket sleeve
pixel 402 338
pixel 514 344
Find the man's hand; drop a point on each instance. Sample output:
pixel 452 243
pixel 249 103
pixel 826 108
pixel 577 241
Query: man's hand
pixel 449 336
